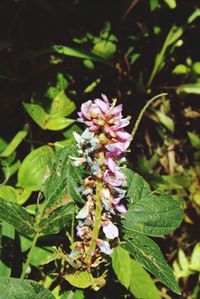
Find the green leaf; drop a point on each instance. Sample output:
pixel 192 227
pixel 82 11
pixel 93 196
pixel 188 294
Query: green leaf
pixel 7 236
pixel 181 69
pixel 64 177
pixel 194 15
pixel 80 280
pixel 14 143
pixel 171 3
pixel 195 258
pixel 165 120
pixel 121 265
pixel 60 190
pixel 32 170
pixel 137 187
pixel 105 49
pixel 154 215
pixel 8 193
pixel 61 106
pixel 15 288
pixel 147 253
pixel 37 113
pixel 17 216
pixel 58 123
pixel 141 284
pixel 78 53
pixel 191 88
pixel 56 216
pixel 194 139
pixel 196 67
pixel 39 255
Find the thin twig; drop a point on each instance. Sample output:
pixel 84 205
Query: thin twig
pixel 142 113
pixel 129 9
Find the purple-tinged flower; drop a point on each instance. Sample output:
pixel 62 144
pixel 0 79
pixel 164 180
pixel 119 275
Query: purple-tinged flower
pixel 121 208
pixel 104 246
pixel 110 230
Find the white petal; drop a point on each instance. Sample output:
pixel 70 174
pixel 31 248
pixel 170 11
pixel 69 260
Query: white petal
pixel 111 231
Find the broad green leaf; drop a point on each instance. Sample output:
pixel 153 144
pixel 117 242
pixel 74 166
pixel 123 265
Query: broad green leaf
pixel 137 187
pixel 105 49
pixel 15 288
pixel 57 123
pixel 15 143
pixel 61 106
pixel 17 216
pixel 154 215
pixel 147 253
pixel 171 3
pixel 165 120
pixel 182 259
pixel 22 195
pixel 56 215
pixel 64 178
pixel 121 265
pixel 80 280
pixel 60 190
pixel 8 193
pixel 141 284
pixel 196 67
pixel 195 258
pixel 194 139
pixel 32 170
pixel 7 236
pixel 78 53
pixel 3 145
pixel 39 255
pixel 181 69
pixel 191 88
pixel 37 113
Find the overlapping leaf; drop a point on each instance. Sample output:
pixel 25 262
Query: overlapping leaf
pixel 22 289
pixel 148 213
pixel 147 252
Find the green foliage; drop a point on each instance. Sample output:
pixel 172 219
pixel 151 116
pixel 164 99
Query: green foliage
pixel 146 252
pixel 61 106
pixel 64 177
pixel 184 267
pixel 80 280
pixel 121 265
pixel 22 289
pixel 141 284
pixel 32 170
pixel 17 216
pixel 7 236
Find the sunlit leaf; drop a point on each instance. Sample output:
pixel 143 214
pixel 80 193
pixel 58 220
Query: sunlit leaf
pixel 37 113
pixel 80 280
pixel 15 143
pixel 147 253
pixel 32 170
pixel 141 284
pixel 121 265
pixel 17 216
pixel 23 288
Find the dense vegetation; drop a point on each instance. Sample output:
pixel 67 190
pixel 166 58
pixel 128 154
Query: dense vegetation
pixel 56 55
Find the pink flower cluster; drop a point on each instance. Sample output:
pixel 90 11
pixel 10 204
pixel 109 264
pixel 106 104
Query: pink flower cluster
pixel 101 147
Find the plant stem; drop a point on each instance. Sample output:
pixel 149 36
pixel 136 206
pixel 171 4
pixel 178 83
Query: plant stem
pixel 29 256
pixel 96 226
pixel 73 224
pixel 142 113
